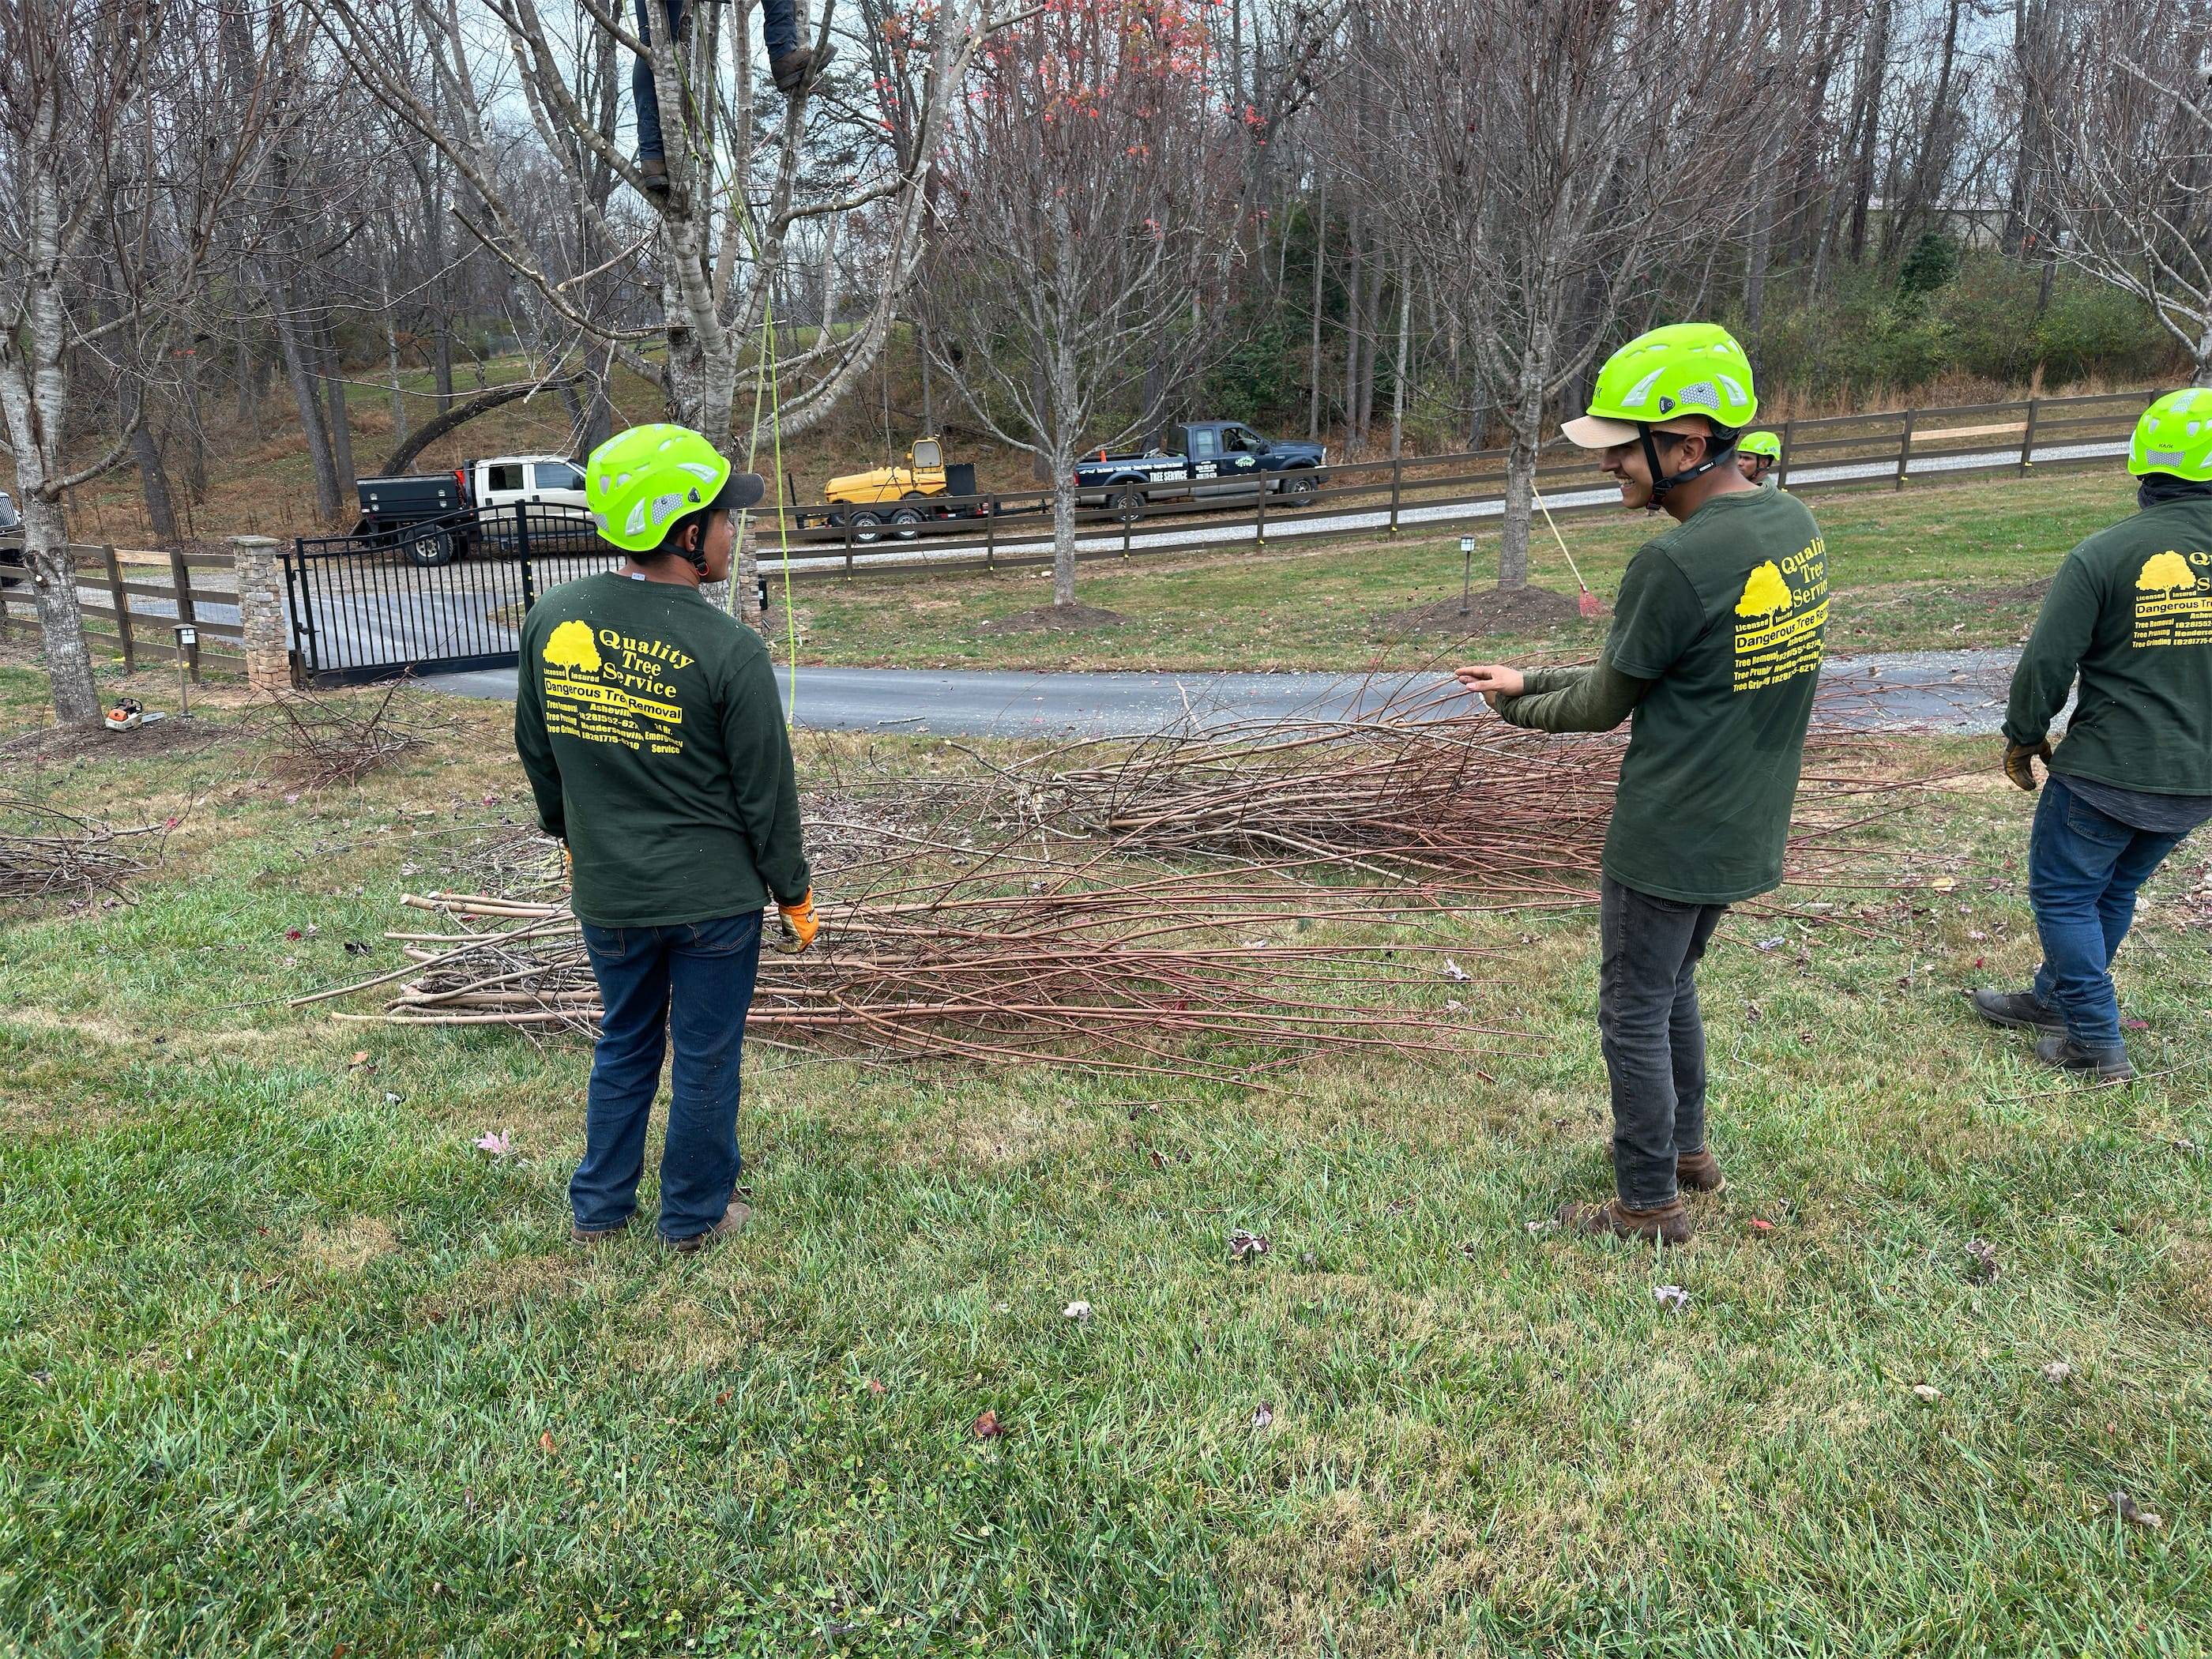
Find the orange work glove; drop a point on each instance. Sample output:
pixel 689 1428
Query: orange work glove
pixel 798 924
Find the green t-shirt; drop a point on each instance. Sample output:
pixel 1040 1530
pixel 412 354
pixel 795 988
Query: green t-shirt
pixel 649 724
pixel 2130 612
pixel 1725 615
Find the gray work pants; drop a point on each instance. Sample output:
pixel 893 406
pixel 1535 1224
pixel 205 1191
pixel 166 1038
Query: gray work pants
pixel 1652 1034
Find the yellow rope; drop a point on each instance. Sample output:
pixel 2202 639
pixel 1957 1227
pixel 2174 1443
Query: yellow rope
pixel 782 516
pixel 1558 538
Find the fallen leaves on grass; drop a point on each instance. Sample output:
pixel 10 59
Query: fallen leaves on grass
pixel 1673 1298
pixel 1244 1245
pixel 986 1425
pixel 495 1142
pixel 1263 1413
pixel 1927 1394
pixel 2058 1371
pixel 1077 1311
pixel 1983 1256
pixel 2134 1513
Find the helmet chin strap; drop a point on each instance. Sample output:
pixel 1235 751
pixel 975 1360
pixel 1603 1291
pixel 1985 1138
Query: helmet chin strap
pixel 1663 482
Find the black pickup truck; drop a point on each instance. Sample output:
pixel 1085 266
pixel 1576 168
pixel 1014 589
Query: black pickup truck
pixel 1219 461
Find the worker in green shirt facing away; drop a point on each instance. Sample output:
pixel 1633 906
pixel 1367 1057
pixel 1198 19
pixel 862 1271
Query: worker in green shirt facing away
pixel 1713 657
pixel 2128 617
pixel 649 724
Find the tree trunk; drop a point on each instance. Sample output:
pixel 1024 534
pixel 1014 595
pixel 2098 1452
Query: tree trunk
pixel 1063 528
pixel 1313 349
pixel 334 388
pixel 61 620
pixel 1520 466
pixel 146 455
pixel 1371 344
pixel 928 396
pixel 1868 91
pixel 195 483
pixel 1352 312
pixel 302 379
pixel 1399 369
pixel 392 363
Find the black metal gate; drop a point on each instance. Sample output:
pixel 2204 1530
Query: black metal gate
pixel 438 597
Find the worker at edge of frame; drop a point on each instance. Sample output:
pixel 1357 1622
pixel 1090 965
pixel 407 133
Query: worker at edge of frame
pixel 1757 454
pixel 1713 657
pixel 649 724
pixel 2129 621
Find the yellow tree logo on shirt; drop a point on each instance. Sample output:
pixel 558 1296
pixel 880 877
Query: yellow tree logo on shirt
pixel 572 647
pixel 1764 594
pixel 2164 572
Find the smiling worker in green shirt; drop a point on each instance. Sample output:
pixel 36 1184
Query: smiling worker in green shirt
pixel 1713 657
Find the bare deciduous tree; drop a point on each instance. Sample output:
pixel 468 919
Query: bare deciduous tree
pixel 2133 121
pixel 122 134
pixel 1549 156
pixel 1086 176
pixel 755 180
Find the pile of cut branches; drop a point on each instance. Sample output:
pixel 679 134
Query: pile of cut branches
pixel 1205 902
pixel 1174 975
pixel 46 853
pixel 329 745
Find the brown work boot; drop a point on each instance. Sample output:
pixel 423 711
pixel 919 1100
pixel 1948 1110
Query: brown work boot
pixel 655 169
pixel 595 1234
pixel 733 1221
pixel 797 71
pixel 1700 1171
pixel 1669 1223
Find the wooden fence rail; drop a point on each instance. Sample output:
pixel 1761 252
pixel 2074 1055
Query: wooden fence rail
pixel 148 596
pixel 1362 500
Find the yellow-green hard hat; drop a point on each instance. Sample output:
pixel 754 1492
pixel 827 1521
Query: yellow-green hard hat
pixel 1759 443
pixel 2175 436
pixel 1661 379
pixel 640 482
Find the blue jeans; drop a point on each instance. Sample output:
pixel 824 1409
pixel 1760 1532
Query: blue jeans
pixel 779 25
pixel 2083 869
pixel 696 981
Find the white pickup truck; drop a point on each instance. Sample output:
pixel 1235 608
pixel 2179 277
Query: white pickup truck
pixel 432 518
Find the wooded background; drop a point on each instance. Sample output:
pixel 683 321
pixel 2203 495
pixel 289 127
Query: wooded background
pixel 344 228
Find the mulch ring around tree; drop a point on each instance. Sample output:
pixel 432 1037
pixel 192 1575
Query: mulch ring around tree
pixel 1517 610
pixel 170 735
pixel 1054 619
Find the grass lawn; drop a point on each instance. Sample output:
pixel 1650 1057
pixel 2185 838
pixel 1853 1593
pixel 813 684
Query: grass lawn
pixel 1936 565
pixel 288 1366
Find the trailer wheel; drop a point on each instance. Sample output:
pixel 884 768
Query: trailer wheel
pixel 867 525
pixel 1128 504
pixel 907 521
pixel 1301 483
pixel 429 549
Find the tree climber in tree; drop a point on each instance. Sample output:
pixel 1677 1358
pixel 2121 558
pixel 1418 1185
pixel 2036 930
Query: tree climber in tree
pixel 794 66
pixel 1714 654
pixel 2129 617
